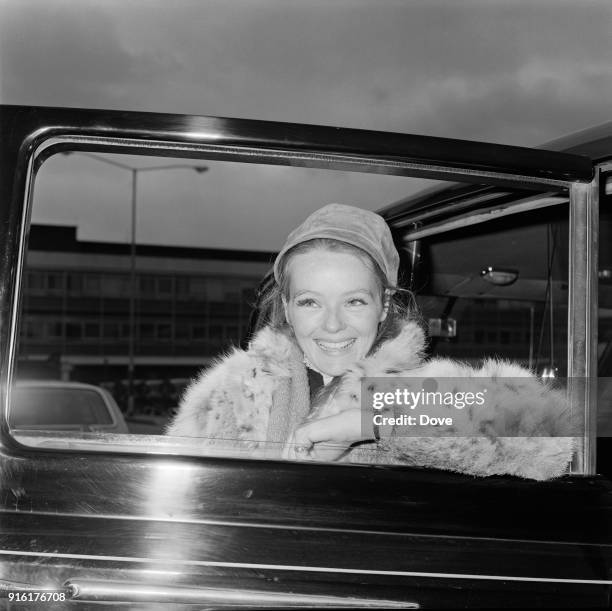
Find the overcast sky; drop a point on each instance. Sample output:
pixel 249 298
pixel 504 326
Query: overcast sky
pixel 513 71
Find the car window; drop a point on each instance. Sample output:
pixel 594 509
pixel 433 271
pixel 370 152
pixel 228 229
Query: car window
pixel 142 319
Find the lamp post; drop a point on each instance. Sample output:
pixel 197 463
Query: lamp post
pixel 134 173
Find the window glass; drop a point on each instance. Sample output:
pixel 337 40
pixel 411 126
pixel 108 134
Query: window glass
pixel 197 287
pixel 74 330
pixel 182 285
pixel 92 284
pixel 75 282
pixel 91 330
pixel 147 285
pixel 36 281
pixel 215 332
pixel 164 286
pixel 34 329
pixel 55 282
pixel 110 330
pixel 164 331
pixel 114 285
pixel 181 331
pixel 216 288
pixel 54 329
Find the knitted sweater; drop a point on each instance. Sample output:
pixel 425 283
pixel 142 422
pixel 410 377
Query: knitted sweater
pixel 255 399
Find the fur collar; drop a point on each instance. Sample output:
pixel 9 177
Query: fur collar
pixel 398 354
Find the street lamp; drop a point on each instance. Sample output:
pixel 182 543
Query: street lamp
pixel 200 169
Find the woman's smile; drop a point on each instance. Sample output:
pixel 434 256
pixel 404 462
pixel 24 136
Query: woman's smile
pixel 335 347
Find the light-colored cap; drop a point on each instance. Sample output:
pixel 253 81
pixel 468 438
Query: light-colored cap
pixel 362 228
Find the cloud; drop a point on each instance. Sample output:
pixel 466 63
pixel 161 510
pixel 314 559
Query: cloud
pixel 541 100
pixel 59 53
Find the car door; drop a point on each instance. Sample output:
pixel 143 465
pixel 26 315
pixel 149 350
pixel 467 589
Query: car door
pixel 150 520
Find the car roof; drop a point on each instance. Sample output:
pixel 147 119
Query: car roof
pixel 450 198
pixel 593 142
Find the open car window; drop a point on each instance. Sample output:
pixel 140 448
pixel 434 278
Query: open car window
pixel 140 320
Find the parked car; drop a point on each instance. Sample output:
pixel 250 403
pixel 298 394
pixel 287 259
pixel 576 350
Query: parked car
pixel 153 520
pixel 49 405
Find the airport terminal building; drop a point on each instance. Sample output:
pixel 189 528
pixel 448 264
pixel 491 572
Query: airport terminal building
pixel 189 304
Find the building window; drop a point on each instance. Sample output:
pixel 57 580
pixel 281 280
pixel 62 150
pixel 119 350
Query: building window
pixel 74 330
pixel 198 287
pixel 92 330
pixel 55 282
pixel 92 284
pixel 215 332
pixel 115 285
pixel 111 330
pixel 54 329
pixel 146 330
pixel 182 286
pixel 34 329
pixel 181 331
pixel 75 282
pixel 164 286
pixel 198 331
pixel 36 281
pixel 164 331
pixel 216 289
pixel 147 285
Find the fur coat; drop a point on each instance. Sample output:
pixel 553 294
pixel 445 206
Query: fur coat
pixel 253 400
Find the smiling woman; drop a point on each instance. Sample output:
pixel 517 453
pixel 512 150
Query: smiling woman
pixel 335 323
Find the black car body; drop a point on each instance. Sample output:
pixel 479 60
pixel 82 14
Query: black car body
pixel 149 521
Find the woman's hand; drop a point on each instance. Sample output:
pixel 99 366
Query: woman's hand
pixel 325 438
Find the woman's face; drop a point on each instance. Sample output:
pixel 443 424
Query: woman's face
pixel 334 308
